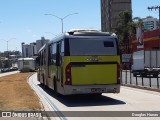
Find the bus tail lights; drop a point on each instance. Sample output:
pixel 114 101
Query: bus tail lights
pixel 68 75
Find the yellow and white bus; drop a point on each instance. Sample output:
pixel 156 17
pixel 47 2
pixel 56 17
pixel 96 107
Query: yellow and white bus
pixel 81 62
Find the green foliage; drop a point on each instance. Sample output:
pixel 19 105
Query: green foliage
pixel 125 29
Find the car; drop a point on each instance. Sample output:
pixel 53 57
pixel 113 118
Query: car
pixel 13 68
pixel 3 70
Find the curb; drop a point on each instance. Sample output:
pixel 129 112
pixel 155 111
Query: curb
pixel 42 106
pixel 142 87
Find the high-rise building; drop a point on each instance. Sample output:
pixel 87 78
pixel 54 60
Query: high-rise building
pixel 110 10
pixel 41 42
pixel 31 50
pixel 28 50
pixel 150 23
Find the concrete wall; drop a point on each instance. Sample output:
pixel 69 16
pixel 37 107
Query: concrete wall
pixel 110 10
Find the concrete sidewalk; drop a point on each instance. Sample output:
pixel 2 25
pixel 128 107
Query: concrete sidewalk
pixel 8 73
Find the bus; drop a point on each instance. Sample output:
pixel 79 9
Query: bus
pixel 26 64
pixel 80 62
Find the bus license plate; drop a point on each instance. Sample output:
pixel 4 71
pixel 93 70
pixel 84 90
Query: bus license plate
pixel 97 90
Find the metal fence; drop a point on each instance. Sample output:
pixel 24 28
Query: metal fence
pixel 129 79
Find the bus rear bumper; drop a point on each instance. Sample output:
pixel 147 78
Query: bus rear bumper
pixel 91 89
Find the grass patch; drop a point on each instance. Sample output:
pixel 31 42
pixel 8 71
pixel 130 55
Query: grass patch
pixel 16 94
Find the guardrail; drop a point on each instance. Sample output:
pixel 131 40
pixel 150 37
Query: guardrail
pixel 128 79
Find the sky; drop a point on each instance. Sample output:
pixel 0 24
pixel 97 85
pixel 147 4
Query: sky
pixel 24 20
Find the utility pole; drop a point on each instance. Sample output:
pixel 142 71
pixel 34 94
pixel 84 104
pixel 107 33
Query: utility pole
pixel 156 8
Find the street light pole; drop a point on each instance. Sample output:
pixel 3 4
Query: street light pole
pixel 156 7
pixel 62 24
pixel 7 42
pixel 62 19
pixel 7 49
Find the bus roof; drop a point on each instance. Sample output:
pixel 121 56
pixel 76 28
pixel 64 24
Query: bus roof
pixel 83 34
pixel 80 33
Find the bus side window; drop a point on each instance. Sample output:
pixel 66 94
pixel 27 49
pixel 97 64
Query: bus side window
pixel 60 52
pixel 53 54
pixel 50 55
pixel 62 49
pixel 44 57
pixel 41 58
pixel 58 62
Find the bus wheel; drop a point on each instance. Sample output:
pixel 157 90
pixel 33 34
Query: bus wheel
pixel 38 77
pixel 55 89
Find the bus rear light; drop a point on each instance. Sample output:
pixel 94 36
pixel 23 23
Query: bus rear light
pixel 118 74
pixel 68 75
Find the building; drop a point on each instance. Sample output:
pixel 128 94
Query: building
pixel 151 40
pixel 31 50
pixel 8 58
pixel 28 50
pixel 110 10
pixel 41 42
pixel 9 53
pixel 150 23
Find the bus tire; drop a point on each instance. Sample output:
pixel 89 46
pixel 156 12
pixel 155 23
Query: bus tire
pixel 38 77
pixel 55 89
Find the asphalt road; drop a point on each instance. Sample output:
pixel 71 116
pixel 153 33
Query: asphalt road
pixel 129 99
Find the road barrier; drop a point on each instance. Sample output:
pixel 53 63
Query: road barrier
pixel 149 81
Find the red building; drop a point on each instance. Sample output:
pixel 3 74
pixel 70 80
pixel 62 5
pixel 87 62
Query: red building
pixel 151 40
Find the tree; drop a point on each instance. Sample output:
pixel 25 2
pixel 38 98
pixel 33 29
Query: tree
pixel 137 21
pixel 124 30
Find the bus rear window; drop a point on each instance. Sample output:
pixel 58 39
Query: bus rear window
pixel 84 47
pixel 108 44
